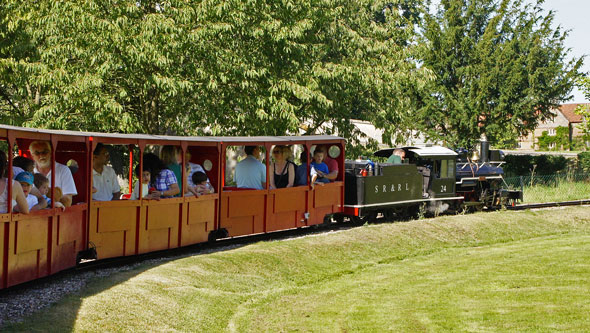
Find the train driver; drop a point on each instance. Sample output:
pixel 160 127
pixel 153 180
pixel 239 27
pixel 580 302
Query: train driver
pixel 104 178
pixel 41 151
pixel 397 157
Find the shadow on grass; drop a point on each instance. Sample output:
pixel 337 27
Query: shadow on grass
pixel 57 299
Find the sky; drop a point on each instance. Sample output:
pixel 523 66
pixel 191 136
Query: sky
pixel 572 15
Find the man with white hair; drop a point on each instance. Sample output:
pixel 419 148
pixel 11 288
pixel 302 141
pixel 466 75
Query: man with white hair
pixel 41 152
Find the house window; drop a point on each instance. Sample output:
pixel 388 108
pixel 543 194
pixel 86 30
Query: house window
pixel 552 145
pixel 552 131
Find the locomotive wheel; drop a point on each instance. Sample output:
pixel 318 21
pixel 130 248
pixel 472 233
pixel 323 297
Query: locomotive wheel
pixel 339 218
pixel 370 217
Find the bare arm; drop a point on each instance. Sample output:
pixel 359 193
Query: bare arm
pixel 172 191
pixel 40 205
pixel 332 175
pixel 271 170
pixel 19 196
pixel 291 175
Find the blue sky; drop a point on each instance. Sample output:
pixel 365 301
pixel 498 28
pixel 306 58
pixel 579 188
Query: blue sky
pixel 573 15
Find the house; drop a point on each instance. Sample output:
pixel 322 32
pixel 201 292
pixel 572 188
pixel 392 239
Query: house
pixel 564 116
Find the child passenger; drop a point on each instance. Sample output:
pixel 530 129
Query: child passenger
pixel 201 183
pixel 42 184
pixel 319 169
pixel 25 179
pixel 145 184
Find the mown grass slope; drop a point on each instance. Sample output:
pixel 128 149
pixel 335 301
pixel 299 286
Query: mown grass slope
pixel 501 271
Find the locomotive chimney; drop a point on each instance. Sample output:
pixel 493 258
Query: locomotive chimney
pixel 484 149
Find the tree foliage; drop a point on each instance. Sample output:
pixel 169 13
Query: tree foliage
pixel 247 67
pixel 500 66
pixel 584 109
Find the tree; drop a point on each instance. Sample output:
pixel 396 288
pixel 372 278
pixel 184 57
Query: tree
pixel 208 67
pixel 501 68
pixel 584 109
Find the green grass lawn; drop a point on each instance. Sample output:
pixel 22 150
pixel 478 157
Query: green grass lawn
pixel 564 191
pixel 499 271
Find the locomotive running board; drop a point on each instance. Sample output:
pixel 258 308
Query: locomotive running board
pixel 393 203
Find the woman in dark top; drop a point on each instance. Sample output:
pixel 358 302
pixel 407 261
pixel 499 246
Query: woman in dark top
pixel 282 170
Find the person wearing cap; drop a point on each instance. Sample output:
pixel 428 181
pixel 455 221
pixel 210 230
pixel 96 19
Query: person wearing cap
pixel 25 179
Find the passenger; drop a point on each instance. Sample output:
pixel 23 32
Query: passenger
pixel 104 178
pixel 200 179
pixel 161 178
pixel 20 164
pixel 42 184
pixel 18 200
pixel 172 158
pixel 319 169
pixel 145 184
pixel 282 170
pixel 23 163
pixel 301 171
pixel 330 162
pixel 250 172
pixel 194 167
pixel 41 151
pixel 25 179
pixel 397 157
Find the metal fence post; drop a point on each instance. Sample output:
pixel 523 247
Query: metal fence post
pixel 521 187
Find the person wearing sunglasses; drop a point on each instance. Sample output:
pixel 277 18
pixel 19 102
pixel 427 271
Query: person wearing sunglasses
pixel 282 170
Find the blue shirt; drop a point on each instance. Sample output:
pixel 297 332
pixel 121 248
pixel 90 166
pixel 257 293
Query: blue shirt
pixel 323 167
pixel 301 175
pixel 250 173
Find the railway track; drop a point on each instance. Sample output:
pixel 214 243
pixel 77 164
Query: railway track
pixel 550 204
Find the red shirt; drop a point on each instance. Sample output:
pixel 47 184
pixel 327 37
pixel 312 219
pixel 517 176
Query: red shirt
pixel 332 163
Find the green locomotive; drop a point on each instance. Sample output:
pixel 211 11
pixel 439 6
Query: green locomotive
pixel 424 179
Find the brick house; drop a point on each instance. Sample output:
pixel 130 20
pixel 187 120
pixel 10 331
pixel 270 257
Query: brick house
pixel 564 116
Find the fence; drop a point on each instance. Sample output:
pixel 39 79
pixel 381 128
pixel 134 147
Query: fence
pixel 552 188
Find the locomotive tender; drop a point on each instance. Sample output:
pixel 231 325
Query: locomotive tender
pixel 50 240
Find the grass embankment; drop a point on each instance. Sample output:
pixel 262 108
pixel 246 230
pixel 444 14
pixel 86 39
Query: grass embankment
pixel 507 271
pixel 563 191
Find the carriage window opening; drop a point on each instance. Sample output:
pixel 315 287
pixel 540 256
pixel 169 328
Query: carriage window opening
pixel 198 171
pixel 207 165
pixel 436 169
pixel 283 166
pixel 334 151
pixel 109 179
pixel 73 166
pixel 246 167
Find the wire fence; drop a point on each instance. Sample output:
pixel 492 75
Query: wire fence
pixel 551 188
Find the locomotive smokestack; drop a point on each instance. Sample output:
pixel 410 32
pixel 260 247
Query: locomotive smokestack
pixel 484 149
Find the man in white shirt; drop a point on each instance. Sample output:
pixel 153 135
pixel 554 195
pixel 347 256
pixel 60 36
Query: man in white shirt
pixel 104 178
pixel 41 152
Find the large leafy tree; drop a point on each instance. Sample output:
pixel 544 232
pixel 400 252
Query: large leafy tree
pixel 220 67
pixel 500 65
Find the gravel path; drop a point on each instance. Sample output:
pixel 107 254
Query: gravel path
pixel 24 301
pixel 21 302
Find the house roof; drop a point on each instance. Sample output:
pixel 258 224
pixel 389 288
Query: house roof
pixel 569 111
